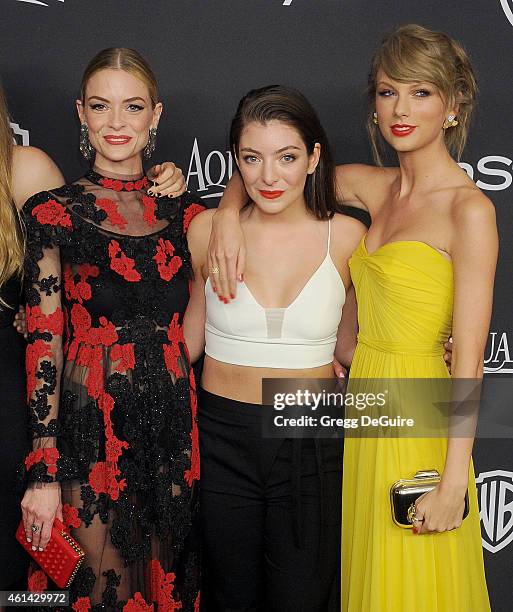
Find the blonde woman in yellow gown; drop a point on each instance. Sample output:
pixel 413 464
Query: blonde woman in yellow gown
pixel 424 271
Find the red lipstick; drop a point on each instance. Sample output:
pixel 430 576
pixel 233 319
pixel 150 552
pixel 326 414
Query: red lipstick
pixel 118 140
pixel 270 195
pixel 402 129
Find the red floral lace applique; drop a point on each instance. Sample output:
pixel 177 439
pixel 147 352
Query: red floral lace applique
pixel 37 320
pixel 95 376
pixel 194 472
pixel 114 184
pixel 122 264
pixel 49 456
pixel 102 479
pixel 70 516
pixel 124 353
pixel 105 335
pixel 35 351
pixel 37 582
pixel 106 405
pixel 81 290
pixel 83 604
pixel 52 213
pixel 150 206
pixel 81 321
pixel 137 604
pixel 172 353
pixel 114 448
pixel 168 264
pixel 190 213
pixel 111 208
pixel 162 587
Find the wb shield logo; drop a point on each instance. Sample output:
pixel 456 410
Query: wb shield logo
pixel 507 7
pixel 496 501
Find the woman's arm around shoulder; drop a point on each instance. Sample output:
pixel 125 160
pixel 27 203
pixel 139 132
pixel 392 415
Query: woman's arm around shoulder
pixel 362 185
pixel 32 171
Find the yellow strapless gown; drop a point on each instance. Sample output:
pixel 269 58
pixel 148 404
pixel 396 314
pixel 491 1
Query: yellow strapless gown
pixel 405 296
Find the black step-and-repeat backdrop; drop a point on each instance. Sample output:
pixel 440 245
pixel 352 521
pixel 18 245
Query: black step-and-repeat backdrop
pixel 207 53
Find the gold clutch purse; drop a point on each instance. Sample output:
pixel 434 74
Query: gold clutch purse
pixel 405 492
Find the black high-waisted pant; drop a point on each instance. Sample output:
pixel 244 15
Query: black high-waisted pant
pixel 271 513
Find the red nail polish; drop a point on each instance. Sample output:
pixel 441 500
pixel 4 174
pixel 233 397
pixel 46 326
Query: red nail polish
pixel 232 296
pixel 226 300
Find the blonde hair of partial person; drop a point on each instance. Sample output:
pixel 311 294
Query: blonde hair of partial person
pixel 11 228
pixel 122 58
pixel 413 53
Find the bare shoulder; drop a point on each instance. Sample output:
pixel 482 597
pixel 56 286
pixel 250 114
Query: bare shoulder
pixel 471 206
pixel 348 177
pixel 474 227
pixel 198 235
pixel 33 171
pixel 202 223
pixel 347 232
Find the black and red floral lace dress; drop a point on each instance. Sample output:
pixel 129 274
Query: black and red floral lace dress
pixel 111 389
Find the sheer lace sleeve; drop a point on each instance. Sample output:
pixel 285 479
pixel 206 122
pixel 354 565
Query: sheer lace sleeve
pixel 48 224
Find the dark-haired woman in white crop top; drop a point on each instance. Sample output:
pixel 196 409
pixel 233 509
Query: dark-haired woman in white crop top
pixel 271 507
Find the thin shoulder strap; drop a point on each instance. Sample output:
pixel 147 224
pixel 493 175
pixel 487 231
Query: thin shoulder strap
pixel 329 237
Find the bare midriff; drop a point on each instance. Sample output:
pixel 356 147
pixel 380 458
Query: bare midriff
pixel 244 383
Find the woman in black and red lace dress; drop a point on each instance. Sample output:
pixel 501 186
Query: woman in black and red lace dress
pixel 115 442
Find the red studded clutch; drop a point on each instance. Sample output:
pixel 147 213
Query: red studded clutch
pixel 61 558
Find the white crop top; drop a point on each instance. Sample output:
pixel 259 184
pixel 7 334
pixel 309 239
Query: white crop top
pixel 301 336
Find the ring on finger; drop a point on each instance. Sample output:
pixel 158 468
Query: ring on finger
pixel 214 270
pixel 35 528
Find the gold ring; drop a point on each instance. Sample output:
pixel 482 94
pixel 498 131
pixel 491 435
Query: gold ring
pixel 214 270
pixel 420 520
pixel 35 528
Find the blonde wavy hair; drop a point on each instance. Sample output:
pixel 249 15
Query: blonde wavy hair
pixel 415 54
pixel 122 58
pixel 11 227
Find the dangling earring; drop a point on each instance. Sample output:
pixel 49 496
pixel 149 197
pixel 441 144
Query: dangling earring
pixel 85 146
pixel 375 118
pixel 450 122
pixel 150 145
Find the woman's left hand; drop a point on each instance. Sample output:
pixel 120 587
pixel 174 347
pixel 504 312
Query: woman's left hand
pixel 441 510
pixel 168 180
pixel 20 322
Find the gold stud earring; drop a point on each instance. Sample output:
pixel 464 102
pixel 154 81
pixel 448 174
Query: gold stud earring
pixel 375 118
pixel 450 122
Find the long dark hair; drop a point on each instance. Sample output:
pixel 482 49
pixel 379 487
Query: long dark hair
pixel 276 102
